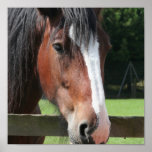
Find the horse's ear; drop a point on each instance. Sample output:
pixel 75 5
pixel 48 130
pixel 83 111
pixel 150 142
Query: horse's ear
pixel 98 12
pixel 50 12
pixel 104 37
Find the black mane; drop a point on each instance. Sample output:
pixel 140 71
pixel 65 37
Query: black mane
pixel 25 34
pixel 83 21
pixel 23 43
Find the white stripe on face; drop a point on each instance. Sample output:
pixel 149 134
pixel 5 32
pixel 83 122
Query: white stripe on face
pixel 92 59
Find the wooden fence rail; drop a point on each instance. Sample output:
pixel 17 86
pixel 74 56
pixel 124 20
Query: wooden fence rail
pixel 46 125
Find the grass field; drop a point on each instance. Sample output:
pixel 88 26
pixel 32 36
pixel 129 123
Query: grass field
pixel 115 107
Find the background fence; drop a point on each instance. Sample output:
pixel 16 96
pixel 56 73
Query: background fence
pixel 115 74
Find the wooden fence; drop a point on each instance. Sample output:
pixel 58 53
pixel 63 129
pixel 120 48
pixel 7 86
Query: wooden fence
pixel 46 125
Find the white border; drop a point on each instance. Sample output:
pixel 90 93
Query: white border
pixel 147 4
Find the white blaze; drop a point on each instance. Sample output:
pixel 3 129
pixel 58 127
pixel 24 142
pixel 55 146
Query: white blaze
pixel 92 60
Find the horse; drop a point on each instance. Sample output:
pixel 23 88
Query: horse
pixel 59 52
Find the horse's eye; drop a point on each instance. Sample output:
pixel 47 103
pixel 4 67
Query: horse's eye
pixel 58 47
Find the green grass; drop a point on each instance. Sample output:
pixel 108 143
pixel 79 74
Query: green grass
pixel 127 141
pixel 115 107
pixel 125 107
pixel 48 108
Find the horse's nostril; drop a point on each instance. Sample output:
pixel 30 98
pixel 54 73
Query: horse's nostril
pixel 83 129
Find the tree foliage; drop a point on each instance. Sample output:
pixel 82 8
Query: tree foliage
pixel 125 27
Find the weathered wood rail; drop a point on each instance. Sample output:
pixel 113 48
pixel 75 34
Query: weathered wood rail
pixel 46 125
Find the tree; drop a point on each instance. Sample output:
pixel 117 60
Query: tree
pixel 125 27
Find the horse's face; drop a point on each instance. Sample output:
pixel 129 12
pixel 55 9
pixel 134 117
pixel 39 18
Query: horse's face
pixel 75 83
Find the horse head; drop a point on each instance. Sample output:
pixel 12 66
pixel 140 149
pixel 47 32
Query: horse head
pixel 71 71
